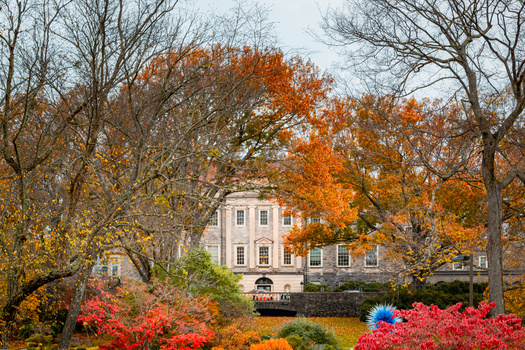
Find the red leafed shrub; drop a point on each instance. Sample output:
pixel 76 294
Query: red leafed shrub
pixel 141 317
pixel 430 328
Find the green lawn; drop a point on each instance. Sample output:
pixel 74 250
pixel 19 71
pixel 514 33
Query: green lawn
pixel 347 329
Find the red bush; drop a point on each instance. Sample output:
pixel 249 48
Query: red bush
pixel 140 319
pixel 430 328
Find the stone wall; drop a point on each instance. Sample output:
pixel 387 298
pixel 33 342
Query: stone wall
pixel 321 304
pixel 128 269
pixel 336 278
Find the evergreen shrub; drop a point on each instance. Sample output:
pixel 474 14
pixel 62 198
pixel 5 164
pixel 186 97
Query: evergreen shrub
pixel 364 286
pixel 316 288
pixel 196 273
pixel 301 331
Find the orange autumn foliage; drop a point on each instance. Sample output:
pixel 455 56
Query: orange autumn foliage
pixel 366 173
pixel 272 344
pixel 309 181
pixel 147 164
pixel 321 195
pixel 231 338
pixel 279 90
pixel 233 106
pixel 249 123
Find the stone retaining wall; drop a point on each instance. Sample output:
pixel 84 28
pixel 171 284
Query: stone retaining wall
pixel 321 304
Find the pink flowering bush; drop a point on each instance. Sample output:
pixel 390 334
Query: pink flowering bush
pixel 430 328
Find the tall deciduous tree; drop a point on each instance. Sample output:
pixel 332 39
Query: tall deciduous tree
pixel 475 46
pixel 60 63
pixel 232 109
pixel 90 141
pixel 374 188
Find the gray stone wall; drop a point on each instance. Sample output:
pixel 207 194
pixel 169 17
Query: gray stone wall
pixel 330 304
pixel 335 279
pixel 322 304
pixel 128 269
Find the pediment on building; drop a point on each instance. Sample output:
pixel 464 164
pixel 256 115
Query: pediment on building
pixel 263 240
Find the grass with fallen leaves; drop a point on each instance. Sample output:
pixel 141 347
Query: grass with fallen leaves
pixel 347 329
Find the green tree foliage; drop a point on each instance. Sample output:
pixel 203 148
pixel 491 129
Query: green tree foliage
pixel 198 275
pixel 316 288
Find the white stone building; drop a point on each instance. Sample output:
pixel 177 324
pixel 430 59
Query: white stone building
pixel 246 235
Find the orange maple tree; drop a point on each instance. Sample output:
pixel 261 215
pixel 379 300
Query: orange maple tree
pixel 233 109
pixel 366 178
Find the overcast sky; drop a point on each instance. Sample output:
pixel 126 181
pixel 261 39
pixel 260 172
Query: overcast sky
pixel 291 19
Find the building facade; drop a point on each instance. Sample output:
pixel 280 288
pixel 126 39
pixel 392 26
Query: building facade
pixel 246 235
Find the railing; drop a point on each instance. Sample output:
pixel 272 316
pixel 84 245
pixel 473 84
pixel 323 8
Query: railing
pixel 268 296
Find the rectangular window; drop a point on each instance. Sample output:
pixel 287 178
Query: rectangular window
pixel 371 258
pixel 214 221
pixel 264 255
pixel 315 220
pixel 457 265
pixel 287 220
pixel 316 256
pixel 263 217
pixel 214 251
pixel 343 256
pixel 239 216
pixel 240 256
pixel 100 270
pixel 113 265
pixel 483 262
pixel 287 257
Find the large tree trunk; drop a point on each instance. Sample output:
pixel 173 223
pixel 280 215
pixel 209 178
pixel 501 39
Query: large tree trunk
pixel 10 308
pixel 494 251
pixel 12 303
pixel 141 264
pixel 419 283
pixel 74 308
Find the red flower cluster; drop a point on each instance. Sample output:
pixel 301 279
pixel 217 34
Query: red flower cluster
pixel 430 328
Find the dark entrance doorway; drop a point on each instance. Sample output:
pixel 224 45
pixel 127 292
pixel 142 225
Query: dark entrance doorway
pixel 264 283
